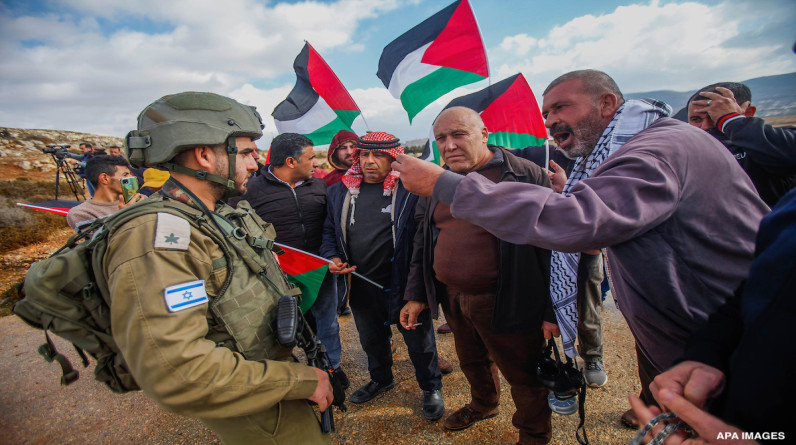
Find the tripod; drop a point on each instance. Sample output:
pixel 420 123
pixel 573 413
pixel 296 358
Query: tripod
pixel 59 153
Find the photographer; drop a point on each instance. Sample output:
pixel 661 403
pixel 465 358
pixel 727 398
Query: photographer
pixel 104 173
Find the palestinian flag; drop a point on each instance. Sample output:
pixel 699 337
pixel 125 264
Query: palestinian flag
pixel 319 105
pixel 57 207
pixel 509 111
pixel 306 271
pixel 442 53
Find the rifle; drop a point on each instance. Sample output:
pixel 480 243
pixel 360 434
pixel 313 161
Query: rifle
pixel 292 330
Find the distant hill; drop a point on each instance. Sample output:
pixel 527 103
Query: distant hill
pixel 772 95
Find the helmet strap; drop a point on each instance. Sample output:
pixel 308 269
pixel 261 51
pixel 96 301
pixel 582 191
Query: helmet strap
pixel 228 182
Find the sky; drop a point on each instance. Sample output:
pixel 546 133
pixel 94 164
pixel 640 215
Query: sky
pixel 93 65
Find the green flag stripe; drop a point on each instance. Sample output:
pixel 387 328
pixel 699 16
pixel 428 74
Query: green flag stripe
pixel 418 95
pixel 347 116
pixel 514 140
pixel 310 284
pixel 324 135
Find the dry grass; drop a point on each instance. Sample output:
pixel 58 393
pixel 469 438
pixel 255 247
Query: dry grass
pixel 20 227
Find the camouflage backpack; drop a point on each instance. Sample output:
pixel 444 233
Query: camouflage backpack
pixel 66 295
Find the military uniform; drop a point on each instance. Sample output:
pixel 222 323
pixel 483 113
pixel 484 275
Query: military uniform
pixel 192 312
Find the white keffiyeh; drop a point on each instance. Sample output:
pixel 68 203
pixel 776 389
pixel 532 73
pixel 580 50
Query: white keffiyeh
pixel 632 117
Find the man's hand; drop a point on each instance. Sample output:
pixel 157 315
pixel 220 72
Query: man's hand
pixel 721 103
pixel 695 381
pixel 340 268
pixel 410 312
pixel 137 197
pixel 417 176
pixel 323 395
pixel 557 175
pixel 707 426
pixel 550 330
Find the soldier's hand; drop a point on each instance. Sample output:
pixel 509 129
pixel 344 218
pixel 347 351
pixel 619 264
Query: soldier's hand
pixel 410 312
pixel 323 395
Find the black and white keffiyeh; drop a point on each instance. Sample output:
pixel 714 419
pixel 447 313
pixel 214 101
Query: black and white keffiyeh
pixel 632 117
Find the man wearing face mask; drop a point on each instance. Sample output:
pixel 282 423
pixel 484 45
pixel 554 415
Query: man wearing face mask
pixel 726 112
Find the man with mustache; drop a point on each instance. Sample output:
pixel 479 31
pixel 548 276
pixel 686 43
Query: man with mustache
pixel 670 205
pixel 370 225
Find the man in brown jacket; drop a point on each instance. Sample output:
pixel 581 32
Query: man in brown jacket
pixel 495 294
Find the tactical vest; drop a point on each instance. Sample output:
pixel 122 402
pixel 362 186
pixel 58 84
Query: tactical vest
pixel 242 316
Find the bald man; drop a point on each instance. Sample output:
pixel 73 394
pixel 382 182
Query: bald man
pixel 494 294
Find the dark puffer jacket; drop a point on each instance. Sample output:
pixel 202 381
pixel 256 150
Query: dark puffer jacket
pixel 296 213
pixel 335 244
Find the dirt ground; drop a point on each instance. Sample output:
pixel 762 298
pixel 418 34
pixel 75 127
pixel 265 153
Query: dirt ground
pixel 35 409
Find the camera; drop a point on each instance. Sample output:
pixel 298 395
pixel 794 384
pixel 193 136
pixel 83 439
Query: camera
pixel 59 151
pixel 563 379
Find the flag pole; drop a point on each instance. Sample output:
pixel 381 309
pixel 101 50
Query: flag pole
pixel 283 246
pixel 547 154
pixel 481 35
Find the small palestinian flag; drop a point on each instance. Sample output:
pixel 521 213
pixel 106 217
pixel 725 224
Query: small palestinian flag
pixel 319 105
pixel 57 207
pixel 306 271
pixel 509 111
pixel 442 53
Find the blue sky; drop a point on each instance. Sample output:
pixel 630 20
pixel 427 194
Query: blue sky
pixel 92 65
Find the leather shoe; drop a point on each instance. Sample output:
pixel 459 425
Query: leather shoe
pixel 444 366
pixel 629 419
pixel 345 311
pixel 444 329
pixel 433 404
pixel 370 390
pixel 466 416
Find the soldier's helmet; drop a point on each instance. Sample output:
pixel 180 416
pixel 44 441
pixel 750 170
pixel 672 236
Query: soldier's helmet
pixel 179 121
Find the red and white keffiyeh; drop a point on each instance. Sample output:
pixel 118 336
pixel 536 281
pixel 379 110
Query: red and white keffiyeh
pixel 378 141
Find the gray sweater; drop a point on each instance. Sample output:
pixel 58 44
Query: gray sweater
pixel 675 211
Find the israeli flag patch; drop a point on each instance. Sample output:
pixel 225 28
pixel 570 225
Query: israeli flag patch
pixel 172 232
pixel 185 295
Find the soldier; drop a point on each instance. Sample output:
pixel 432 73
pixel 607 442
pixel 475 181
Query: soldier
pixel 194 285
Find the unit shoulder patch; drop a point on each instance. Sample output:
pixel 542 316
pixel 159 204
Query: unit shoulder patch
pixel 185 295
pixel 172 232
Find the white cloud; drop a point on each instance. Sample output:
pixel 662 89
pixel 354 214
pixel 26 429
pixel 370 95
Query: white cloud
pixel 654 46
pixel 522 42
pixel 66 61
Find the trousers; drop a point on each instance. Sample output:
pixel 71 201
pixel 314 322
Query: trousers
pixel 324 311
pixel 288 422
pixel 481 353
pixel 371 316
pixel 589 302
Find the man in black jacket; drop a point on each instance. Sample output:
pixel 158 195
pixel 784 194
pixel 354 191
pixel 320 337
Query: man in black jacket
pixel 286 195
pixel 725 111
pixel 495 294
pixel 370 225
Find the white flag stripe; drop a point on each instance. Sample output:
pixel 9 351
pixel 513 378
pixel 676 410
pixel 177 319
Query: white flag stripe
pixel 410 70
pixel 319 115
